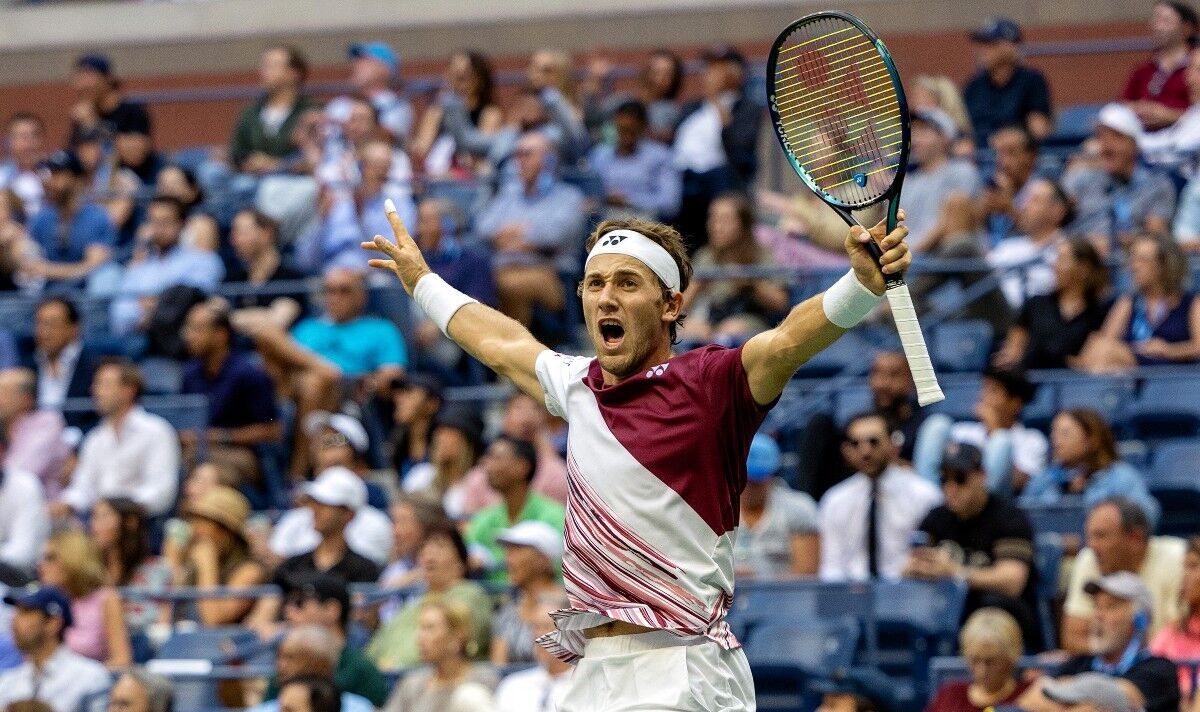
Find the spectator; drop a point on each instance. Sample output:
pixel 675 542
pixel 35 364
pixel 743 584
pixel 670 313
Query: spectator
pixel 532 222
pixel 1174 147
pixel 263 134
pixel 308 657
pixel 90 235
pixel 660 80
pixel 1118 649
pixel 34 437
pixel 417 398
pixel 540 688
pixel 732 310
pixel 412 515
pixel 1085 461
pixel 450 682
pixel 468 87
pixel 1090 691
pixel 211 550
pixel 63 363
pixel 24 525
pixel 51 672
pixel 939 92
pixel 242 412
pixel 254 237
pixel 134 151
pixel 1003 192
pixel 1027 259
pixel 1179 641
pixel 1052 328
pixel 777 535
pixel 1012 453
pixel 982 540
pixel 99 103
pixel 166 263
pixel 200 231
pixel 24 133
pixel 524 418
pixel 638 172
pixel 934 178
pixel 532 557
pixel 373 68
pixel 1117 197
pixel 139 690
pixel 17 251
pixel 72 563
pixel 1158 323
pixel 453 449
pixel 121 533
pixel 1119 539
pixel 1005 91
pixel 867 520
pixel 369 532
pixel 550 74
pixel 894 394
pixel 716 141
pixel 107 183
pixel 1157 89
pixel 510 465
pixel 990 641
pixel 323 600
pixel 130 453
pixel 443 562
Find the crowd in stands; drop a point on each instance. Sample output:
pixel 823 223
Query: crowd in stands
pixel 334 454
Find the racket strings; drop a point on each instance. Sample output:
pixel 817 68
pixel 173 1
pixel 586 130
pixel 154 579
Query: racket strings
pixel 838 110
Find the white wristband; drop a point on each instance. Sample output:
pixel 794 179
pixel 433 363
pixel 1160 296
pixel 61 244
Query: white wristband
pixel 439 300
pixel 847 302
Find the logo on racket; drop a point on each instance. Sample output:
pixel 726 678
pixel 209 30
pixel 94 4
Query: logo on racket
pixel 860 179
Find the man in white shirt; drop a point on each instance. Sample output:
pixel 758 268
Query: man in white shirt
pixel 868 519
pixel 1012 453
pixel 540 688
pixel 131 453
pixel 24 140
pixel 51 673
pixel 24 525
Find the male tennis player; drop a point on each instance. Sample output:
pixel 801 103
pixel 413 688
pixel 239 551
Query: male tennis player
pixel 656 455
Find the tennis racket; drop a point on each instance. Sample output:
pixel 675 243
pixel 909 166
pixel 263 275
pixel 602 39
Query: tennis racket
pixel 840 114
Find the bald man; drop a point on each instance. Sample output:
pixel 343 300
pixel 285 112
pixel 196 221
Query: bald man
pixel 34 437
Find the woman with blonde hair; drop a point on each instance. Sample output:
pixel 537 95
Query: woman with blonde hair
pixel 991 642
pixel 450 682
pixel 72 562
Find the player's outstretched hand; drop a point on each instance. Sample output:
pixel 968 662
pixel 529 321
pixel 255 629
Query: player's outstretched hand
pixel 896 257
pixel 404 257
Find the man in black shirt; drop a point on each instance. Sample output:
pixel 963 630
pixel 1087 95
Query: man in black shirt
pixel 1005 92
pixel 981 539
pixel 1118 641
pixel 100 104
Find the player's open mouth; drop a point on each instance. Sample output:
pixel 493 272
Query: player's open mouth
pixel 611 333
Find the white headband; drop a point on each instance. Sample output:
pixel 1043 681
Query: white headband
pixel 642 249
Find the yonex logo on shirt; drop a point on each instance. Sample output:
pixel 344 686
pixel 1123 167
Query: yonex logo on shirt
pixel 658 370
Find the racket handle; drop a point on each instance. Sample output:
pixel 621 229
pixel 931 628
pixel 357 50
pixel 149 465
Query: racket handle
pixel 915 352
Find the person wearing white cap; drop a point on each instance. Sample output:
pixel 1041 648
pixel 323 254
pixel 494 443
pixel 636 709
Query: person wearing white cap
pixel 934 175
pixel 532 555
pixel 657 449
pixel 1118 639
pixel 1116 197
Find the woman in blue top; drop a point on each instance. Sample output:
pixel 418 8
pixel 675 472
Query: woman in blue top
pixel 1084 461
pixel 1159 323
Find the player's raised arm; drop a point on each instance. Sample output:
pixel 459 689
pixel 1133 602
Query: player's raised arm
pixel 770 358
pixel 501 343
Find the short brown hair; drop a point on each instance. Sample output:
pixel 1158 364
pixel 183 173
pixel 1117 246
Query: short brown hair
pixel 128 372
pixel 1172 261
pixel 666 237
pixel 1102 443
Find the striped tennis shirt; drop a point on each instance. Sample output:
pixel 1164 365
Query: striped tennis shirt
pixel 655 466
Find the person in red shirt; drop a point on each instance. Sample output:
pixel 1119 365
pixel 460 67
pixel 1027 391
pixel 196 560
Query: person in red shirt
pixel 1156 90
pixel 991 643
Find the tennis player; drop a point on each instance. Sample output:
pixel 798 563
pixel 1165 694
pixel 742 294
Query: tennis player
pixel 656 454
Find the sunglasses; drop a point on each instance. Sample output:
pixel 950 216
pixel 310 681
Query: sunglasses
pixel 873 441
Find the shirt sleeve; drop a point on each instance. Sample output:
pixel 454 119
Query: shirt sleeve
pixel 555 373
pixel 833 559
pixel 1014 539
pixel 160 470
pixel 1078 603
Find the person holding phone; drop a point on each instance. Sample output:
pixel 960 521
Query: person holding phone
pixel 981 539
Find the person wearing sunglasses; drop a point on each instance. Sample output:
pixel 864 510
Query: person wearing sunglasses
pixel 983 540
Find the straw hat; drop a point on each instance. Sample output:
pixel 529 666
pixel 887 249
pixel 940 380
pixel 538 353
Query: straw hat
pixel 223 505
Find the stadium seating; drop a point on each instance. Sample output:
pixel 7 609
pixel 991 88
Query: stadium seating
pixel 785 657
pixel 962 345
pixel 1165 408
pixel 1174 479
pixel 1048 555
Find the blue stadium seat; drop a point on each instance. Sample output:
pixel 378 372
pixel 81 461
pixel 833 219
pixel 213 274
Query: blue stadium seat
pixel 851 401
pixel 758 603
pixel 917 620
pixel 1038 412
pixel 464 196
pixel 786 657
pixel 1177 459
pixel 1174 480
pixel 1048 554
pixel 163 376
pixel 16 315
pixel 847 352
pixel 1073 124
pixel 961 390
pixel 961 345
pixel 1107 395
pixel 1165 408
pixel 214 645
pixel 1064 517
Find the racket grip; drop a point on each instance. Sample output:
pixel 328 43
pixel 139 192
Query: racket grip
pixel 917 355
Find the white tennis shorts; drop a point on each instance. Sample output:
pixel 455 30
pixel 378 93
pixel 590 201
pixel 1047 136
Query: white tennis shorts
pixel 659 672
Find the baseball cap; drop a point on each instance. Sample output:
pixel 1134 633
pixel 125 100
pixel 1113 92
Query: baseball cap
pixel 938 119
pixel 539 535
pixel 97 63
pixel 1013 381
pixel 1091 688
pixel 1120 118
pixel 996 29
pixel 962 457
pixel 347 425
pixel 379 51
pixel 764 458
pixel 723 53
pixel 1124 585
pixel 50 600
pixel 337 486
pixel 63 160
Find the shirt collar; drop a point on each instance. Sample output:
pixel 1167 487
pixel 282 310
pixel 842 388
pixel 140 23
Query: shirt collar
pixel 69 354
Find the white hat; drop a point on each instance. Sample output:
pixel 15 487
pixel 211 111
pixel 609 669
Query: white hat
pixel 337 487
pixel 1120 118
pixel 346 425
pixel 939 120
pixel 540 535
